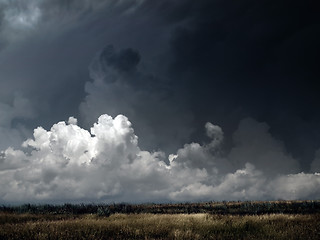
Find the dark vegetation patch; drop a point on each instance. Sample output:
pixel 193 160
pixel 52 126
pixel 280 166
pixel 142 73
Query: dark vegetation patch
pixel 233 208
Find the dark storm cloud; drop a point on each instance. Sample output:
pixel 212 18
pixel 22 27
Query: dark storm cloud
pixel 248 58
pixel 47 48
pixel 251 67
pixel 50 44
pixel 119 86
pixel 257 59
pixel 124 61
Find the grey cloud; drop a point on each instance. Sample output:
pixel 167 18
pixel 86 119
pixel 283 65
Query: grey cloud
pixel 255 59
pixel 19 108
pixel 133 92
pixel 68 163
pixel 48 61
pixel 175 66
pixel 295 186
pixel 207 156
pixel 315 165
pixel 254 144
pixel 126 60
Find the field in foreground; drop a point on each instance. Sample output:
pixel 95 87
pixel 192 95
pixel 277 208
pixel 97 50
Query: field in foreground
pixel 159 226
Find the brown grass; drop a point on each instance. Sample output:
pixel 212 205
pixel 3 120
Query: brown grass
pixel 159 226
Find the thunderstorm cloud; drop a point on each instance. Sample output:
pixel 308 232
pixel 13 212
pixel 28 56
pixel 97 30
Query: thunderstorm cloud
pixel 170 100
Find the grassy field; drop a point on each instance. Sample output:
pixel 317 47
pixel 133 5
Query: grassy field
pixel 159 226
pixel 206 220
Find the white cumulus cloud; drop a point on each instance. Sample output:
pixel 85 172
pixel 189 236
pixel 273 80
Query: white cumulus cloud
pixel 69 163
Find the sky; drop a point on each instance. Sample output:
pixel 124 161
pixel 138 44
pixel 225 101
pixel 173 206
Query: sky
pixel 159 101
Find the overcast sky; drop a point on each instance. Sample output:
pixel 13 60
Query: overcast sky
pixel 141 100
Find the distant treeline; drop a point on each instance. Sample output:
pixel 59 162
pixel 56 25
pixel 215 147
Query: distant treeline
pixel 236 208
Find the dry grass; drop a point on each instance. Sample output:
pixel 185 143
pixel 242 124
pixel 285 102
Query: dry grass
pixel 160 226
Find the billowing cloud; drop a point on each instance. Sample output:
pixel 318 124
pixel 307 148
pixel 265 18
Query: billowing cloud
pixel 69 163
pixel 46 47
pixel 253 143
pixel 119 86
pixel 11 133
pixel 182 56
pixel 169 66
